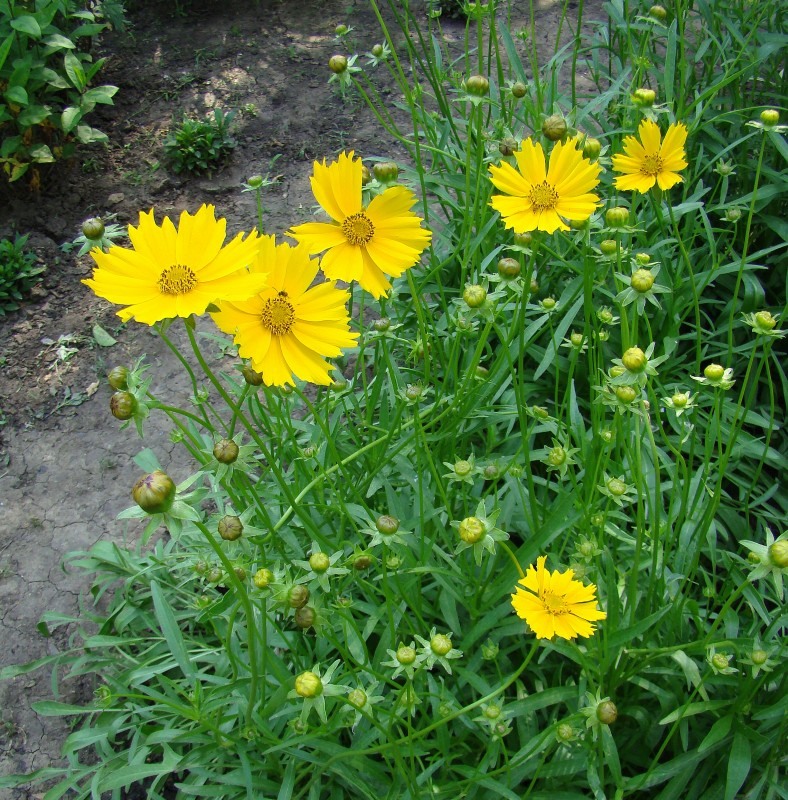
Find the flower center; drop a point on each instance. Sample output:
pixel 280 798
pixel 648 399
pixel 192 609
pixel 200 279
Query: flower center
pixel 358 229
pixel 177 279
pixel 278 314
pixel 543 197
pixel 652 165
pixel 555 604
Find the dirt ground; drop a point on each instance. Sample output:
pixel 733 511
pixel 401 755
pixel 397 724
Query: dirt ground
pixel 65 465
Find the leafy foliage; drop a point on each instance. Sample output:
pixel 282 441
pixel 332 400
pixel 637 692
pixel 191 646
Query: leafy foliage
pixel 200 145
pixel 18 272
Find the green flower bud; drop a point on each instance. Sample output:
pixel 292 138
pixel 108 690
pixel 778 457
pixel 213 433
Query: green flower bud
pixel 361 562
pixel 414 391
pixel 680 399
pixel 93 229
pixel 642 258
pixel 605 316
pixel 366 175
pixel 122 405
pixel 626 394
pixel 251 376
pixel 263 578
pixel 471 530
pixel 255 182
pixel 490 651
pixel 387 524
pixel 382 325
pixel 319 562
pixel 634 359
pixel 240 573
pixel 606 712
pixel 597 520
pixel 305 617
pixel 386 171
pixel 642 281
pixel 509 268
pixel 214 575
pixel 518 89
pixel 592 148
pixel 778 553
pixel 658 12
pixel 714 373
pixel 377 50
pixel 539 412
pixel 225 451
pixel 616 487
pixel 357 698
pixel 576 339
pixel 523 239
pixel 298 596
pixel 554 127
pixel 440 644
pixel 548 304
pixel 118 377
pixel 491 472
pixel 309 685
pixel 565 732
pixel 154 493
pixel 770 117
pixel 492 711
pixel 644 97
pixel 507 146
pixel 406 655
pixel 765 321
pixel 477 85
pixel 556 457
pixel 230 528
pixel 340 29
pixel 608 247
pixel 337 64
pixel 474 296
pixel 462 468
pixel 759 657
pixel 616 217
pixel 720 660
pixel 732 214
pixel 617 370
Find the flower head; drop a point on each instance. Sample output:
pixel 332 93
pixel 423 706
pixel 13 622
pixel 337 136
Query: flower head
pixel 479 532
pixel 556 604
pixel 651 160
pixel 541 197
pixel 363 244
pixel 175 273
pixel 288 329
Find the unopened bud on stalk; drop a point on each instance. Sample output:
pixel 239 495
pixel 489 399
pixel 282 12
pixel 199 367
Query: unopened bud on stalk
pixel 382 325
pixel 387 524
pixel 592 148
pixel 616 487
pixel 298 596
pixel 778 553
pixel 565 732
pixel 154 493
pixel 714 372
pixel 642 280
pixel 305 617
pixel 406 655
pixel 680 400
pixel 262 578
pixel 626 394
pixel 93 229
pixel 357 698
pixel 608 247
pixel 644 97
pixel 765 321
pixel 658 13
pixel 340 29
pixel 518 89
pixel 440 644
pixel 309 685
pixel 606 712
pixel 507 146
pixel 523 239
pixel 255 182
pixel 225 451
pixel 122 405
pixel 477 85
pixel 770 117
pixel 386 171
pixel 509 268
pixel 554 127
pixel 471 530
pixel 634 359
pixel 474 296
pixel 230 528
pixel 118 378
pixel 616 217
pixel 337 64
pixel 377 50
pixel 319 562
pixel 361 562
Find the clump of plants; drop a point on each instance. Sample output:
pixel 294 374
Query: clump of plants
pixel 19 271
pixel 200 145
pixel 489 503
pixel 46 78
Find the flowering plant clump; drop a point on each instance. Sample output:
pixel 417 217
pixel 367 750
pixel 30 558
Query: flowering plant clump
pixel 475 362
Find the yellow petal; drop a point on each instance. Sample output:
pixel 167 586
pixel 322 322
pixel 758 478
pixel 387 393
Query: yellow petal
pixel 530 161
pixel 337 187
pixel 318 236
pixel 200 237
pixel 506 179
pixel 345 262
pixel 156 244
pixel 650 136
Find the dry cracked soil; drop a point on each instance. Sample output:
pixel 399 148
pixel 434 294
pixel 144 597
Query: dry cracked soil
pixel 65 463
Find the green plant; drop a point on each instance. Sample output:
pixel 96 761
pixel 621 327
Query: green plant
pixel 200 145
pixel 45 79
pixel 18 272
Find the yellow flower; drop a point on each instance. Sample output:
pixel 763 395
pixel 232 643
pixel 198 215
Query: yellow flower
pixel 362 244
pixel 541 199
pixel 556 604
pixel 175 273
pixel 650 160
pixel 289 328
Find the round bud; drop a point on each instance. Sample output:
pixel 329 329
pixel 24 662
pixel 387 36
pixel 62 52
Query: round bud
pixel 592 147
pixel 597 520
pixel 413 391
pixel 366 175
pixel 634 359
pixel 310 451
pixel 490 651
pixel 386 171
pixel 118 377
pixel 606 712
pixel 605 316
pixel 518 89
pixel 361 562
pixel 720 660
pixel 382 325
pixel 462 468
pixel 507 146
pixel 377 50
pixel 644 97
pixel 778 553
pixel 608 247
pixel 251 376
pixel 393 562
pixel 477 85
pixel 154 493
pixel 255 182
pixel 93 229
pixel 548 304
pixel 225 451
pixel 770 116
pixel 586 548
pixel 539 412
pixel 680 400
pixel 533 287
pixel 523 239
pixel 214 575
pixel 474 296
pixel 230 528
pixel 357 698
pixel 554 127
pixel 387 524
pixel 491 472
pixel 617 370
pixel 607 436
pixel 122 405
pixel 509 268
pixel 298 596
pixel 319 562
pixel 617 217
pixel 565 732
pixel 714 372
pixel 642 280
pixel 337 64
pixel 406 655
pixel 616 487
pixel 626 394
pixel 263 578
pixel 556 457
pixel 340 29
pixel 759 657
pixel 576 339
pixel 753 558
pixel 240 573
pixel 764 320
pixel 440 644
pixel 307 684
pixel 658 12
pixel 305 617
pixel 201 567
pixel 732 214
pixel 471 530
pixel 492 711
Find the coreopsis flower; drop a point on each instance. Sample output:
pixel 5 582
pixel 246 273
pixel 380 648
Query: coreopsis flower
pixel 555 604
pixel 542 196
pixel 289 329
pixel 651 160
pixel 364 244
pixel 175 273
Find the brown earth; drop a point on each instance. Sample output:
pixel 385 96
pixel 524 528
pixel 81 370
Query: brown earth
pixel 65 466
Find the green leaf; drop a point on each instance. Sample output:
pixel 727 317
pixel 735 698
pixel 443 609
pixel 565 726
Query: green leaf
pixel 73 67
pixel 17 94
pixel 59 42
pixel 69 118
pixel 170 629
pixel 738 766
pixel 52 708
pixel 116 778
pixel 5 48
pixel 33 115
pixel 88 135
pixel 27 24
pixel 41 154
pixel 103 339
pixel 719 730
pixel 100 94
pixel 691 709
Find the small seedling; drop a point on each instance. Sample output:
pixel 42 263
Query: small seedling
pixel 200 145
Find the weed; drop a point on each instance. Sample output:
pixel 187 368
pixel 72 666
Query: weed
pixel 19 272
pixel 200 145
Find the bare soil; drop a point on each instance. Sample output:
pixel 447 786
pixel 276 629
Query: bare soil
pixel 65 465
